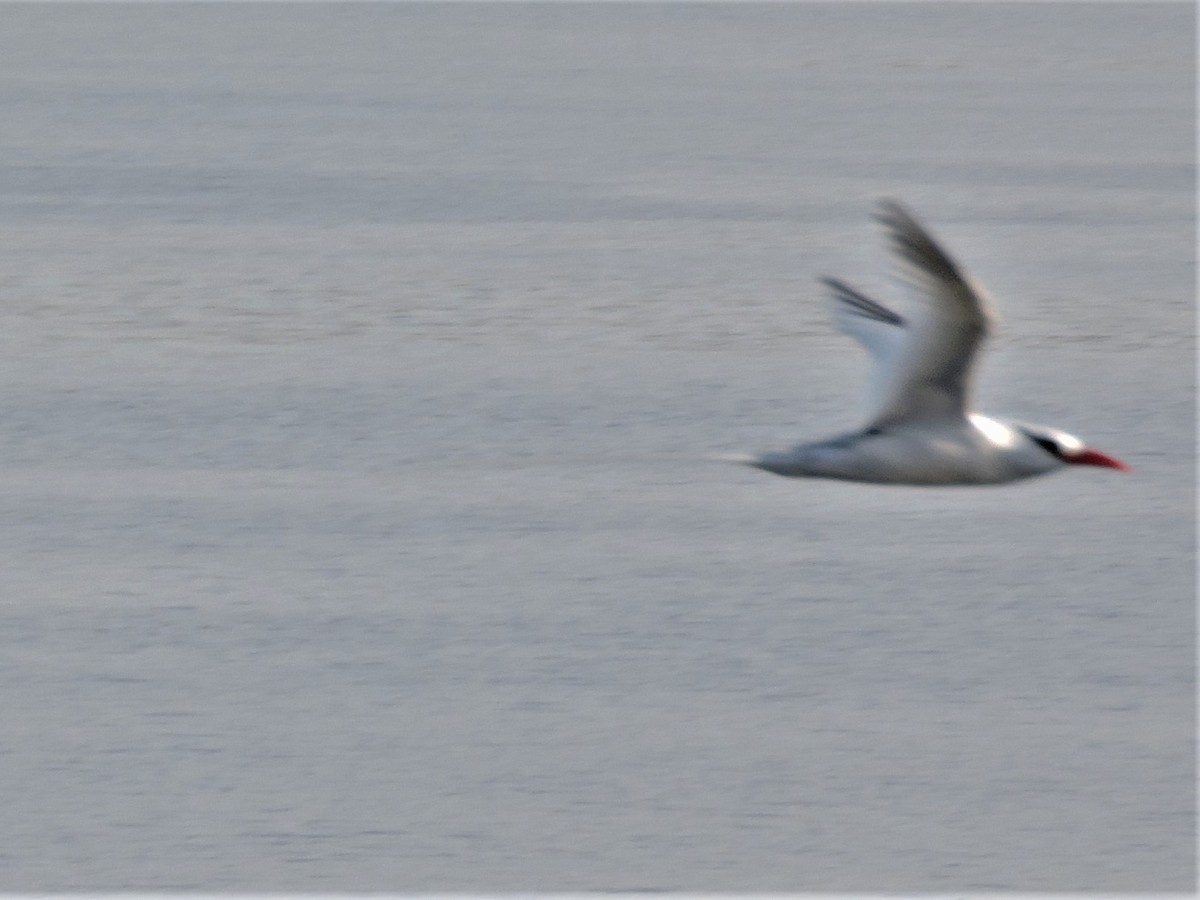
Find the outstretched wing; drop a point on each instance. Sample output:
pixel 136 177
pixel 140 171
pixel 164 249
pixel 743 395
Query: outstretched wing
pixel 881 331
pixel 931 371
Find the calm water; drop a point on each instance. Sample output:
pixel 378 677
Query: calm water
pixel 359 366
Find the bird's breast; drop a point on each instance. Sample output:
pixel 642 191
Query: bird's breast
pixel 932 457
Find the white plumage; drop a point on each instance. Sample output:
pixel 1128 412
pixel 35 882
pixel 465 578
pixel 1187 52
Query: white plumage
pixel 921 429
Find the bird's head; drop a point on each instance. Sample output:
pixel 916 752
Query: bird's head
pixel 1068 449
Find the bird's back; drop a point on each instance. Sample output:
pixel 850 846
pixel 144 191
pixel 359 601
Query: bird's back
pixel 974 450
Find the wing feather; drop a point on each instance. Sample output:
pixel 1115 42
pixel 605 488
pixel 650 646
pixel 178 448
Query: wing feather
pixel 931 378
pixel 877 328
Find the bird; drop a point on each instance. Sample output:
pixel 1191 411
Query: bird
pixel 922 430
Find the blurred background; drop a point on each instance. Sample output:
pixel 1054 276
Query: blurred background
pixel 359 367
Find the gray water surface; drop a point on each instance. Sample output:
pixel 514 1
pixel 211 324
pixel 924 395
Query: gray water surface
pixel 361 368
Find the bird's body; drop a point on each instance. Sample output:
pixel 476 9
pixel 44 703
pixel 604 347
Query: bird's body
pixel 978 450
pixel 922 430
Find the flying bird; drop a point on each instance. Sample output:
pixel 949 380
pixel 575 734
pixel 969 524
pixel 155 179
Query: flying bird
pixel 922 430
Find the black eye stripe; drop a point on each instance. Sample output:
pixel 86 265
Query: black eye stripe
pixel 1046 444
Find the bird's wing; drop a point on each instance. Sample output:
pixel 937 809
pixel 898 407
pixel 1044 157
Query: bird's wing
pixel 930 370
pixel 881 331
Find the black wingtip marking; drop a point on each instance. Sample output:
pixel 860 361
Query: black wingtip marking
pixel 913 243
pixel 860 304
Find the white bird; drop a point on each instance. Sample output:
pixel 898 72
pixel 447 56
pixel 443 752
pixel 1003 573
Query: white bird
pixel 922 430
